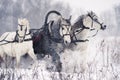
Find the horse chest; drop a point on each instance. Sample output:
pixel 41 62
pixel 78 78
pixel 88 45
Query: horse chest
pixel 13 49
pixel 8 49
pixel 22 47
pixel 82 46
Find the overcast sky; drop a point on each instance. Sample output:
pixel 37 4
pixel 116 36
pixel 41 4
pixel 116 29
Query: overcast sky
pixel 97 6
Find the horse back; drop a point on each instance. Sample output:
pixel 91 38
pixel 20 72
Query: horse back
pixel 8 36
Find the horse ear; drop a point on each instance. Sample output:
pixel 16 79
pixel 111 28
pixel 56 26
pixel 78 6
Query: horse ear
pixel 92 13
pixel 50 26
pixel 89 13
pixel 60 18
pixel 70 18
pixel 18 20
pixel 60 31
pixel 28 25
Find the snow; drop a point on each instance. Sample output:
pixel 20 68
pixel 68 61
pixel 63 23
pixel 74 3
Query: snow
pixel 103 64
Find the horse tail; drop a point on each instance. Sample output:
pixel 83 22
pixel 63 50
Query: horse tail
pixel 53 11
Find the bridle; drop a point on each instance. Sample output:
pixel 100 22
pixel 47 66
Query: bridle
pixel 94 20
pixel 58 40
pixel 18 35
pixel 47 28
pixel 68 31
pixel 92 25
pixel 20 26
pixel 83 28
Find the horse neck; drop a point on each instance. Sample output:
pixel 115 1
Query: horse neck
pixel 84 34
pixel 27 32
pixel 55 29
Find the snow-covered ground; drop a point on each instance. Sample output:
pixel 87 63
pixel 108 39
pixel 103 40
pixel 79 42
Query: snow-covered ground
pixel 103 64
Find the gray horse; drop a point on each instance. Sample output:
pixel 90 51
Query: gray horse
pixel 80 34
pixel 83 27
pixel 53 38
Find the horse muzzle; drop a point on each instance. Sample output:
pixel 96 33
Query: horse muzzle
pixel 103 27
pixel 67 40
pixel 20 40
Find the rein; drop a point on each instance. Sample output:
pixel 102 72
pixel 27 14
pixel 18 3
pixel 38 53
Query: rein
pixel 7 42
pixel 74 41
pixel 57 40
pixel 84 27
pixel 67 29
pixel 15 40
pixel 92 26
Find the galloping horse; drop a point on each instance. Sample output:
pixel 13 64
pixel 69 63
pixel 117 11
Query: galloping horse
pixel 54 38
pixel 17 44
pixel 82 28
pixel 80 34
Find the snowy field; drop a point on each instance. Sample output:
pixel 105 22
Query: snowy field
pixel 103 64
pixel 103 54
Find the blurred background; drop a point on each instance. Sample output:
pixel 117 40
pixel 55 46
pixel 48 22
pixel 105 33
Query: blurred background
pixel 35 11
pixel 104 49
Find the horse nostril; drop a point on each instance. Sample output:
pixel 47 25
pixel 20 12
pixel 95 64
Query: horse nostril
pixel 66 42
pixel 104 26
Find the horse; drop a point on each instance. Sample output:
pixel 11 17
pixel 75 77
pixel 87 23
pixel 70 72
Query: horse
pixel 17 44
pixel 55 35
pixel 83 27
pixel 80 35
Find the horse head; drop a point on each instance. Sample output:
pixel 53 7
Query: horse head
pixel 84 25
pixel 65 28
pixel 59 29
pixel 92 21
pixel 23 29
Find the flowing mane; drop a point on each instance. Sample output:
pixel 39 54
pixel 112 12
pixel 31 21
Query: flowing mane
pixel 78 23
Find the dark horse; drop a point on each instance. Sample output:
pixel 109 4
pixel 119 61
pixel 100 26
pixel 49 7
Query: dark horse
pixel 53 37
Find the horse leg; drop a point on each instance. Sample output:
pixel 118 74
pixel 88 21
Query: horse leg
pixel 1 60
pixel 1 56
pixel 17 60
pixel 56 60
pixel 84 61
pixel 32 55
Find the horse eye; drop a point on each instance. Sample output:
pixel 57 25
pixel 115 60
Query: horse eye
pixel 95 19
pixel 62 28
pixel 77 30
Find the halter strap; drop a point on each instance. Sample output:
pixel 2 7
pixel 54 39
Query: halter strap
pixel 83 27
pixel 57 40
pixel 14 41
pixel 67 30
pixel 74 41
pixel 18 34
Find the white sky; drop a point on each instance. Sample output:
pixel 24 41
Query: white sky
pixel 97 6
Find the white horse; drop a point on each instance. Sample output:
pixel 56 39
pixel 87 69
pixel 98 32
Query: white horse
pixel 81 30
pixel 17 44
